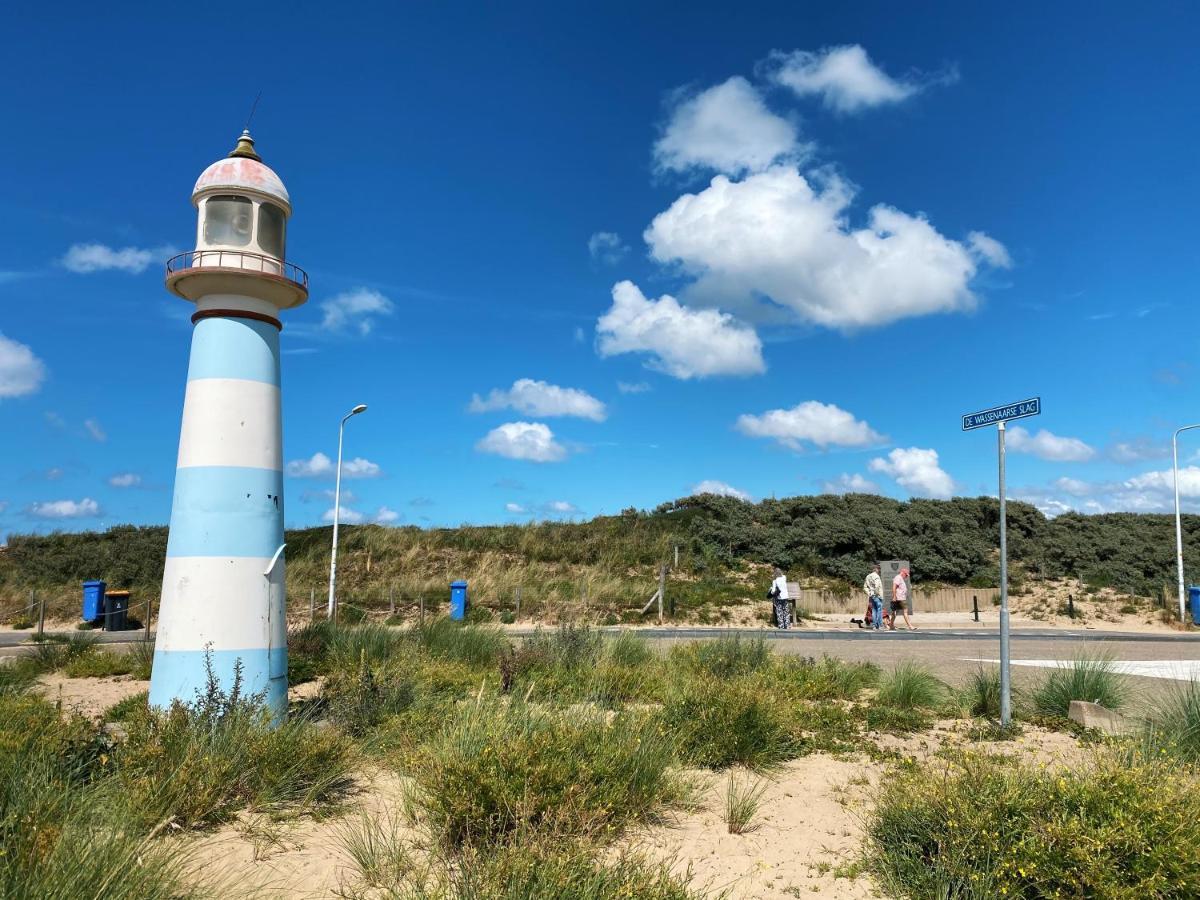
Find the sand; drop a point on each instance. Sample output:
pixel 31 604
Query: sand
pixel 89 697
pixel 808 824
pixel 295 858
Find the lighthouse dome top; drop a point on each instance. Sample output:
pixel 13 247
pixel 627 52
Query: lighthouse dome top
pixel 242 170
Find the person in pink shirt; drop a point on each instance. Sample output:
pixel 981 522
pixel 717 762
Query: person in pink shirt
pixel 900 601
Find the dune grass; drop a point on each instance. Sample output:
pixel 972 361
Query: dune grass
pixel 1173 726
pixel 1090 678
pixel 501 771
pixel 718 723
pixel 981 826
pixel 911 685
pixel 980 696
pixel 197 765
pixel 742 801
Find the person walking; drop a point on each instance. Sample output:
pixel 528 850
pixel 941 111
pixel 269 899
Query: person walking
pixel 873 587
pixel 900 601
pixel 779 599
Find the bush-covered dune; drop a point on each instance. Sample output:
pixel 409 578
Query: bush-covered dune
pixel 611 561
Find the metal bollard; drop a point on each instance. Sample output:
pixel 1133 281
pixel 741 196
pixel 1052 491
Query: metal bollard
pixel 975 606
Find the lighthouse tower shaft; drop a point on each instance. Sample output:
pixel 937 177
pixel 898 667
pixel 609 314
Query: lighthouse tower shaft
pixel 223 600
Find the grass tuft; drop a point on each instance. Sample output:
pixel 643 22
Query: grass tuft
pixel 910 686
pixel 718 723
pixel 1090 678
pixel 742 801
pixel 1174 724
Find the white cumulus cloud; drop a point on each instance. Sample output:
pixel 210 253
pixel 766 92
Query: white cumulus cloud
pixel 1164 483
pixel 822 424
pixel 727 128
pixel 95 430
pixel 321 466
pixel 720 488
pixel 682 342
pixel 1074 486
pixel 66 509
pixel 355 311
pixel 514 508
pixel 850 484
pixel 531 441
pixel 607 247
pixel 778 236
pixel 385 516
pixel 344 514
pixel 537 398
pixel 917 471
pixel 125 480
pixel 21 372
pixel 1046 445
pixel 843 77
pixel 87 258
pixel 560 508
pixel 989 250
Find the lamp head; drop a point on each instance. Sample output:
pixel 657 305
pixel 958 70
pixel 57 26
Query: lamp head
pixel 362 407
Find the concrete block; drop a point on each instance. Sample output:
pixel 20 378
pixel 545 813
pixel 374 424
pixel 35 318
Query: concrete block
pixel 1093 715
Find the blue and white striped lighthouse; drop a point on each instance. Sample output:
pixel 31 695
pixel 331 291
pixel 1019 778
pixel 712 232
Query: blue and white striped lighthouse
pixel 223 585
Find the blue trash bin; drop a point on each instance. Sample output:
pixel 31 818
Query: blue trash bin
pixel 458 600
pixel 1194 600
pixel 93 600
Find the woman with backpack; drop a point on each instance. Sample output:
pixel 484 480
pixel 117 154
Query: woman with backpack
pixel 779 600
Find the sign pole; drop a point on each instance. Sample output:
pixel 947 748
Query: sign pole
pixel 1005 671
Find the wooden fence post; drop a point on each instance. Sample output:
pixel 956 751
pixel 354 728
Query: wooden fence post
pixel 312 604
pixel 149 611
pixel 391 603
pixel 518 613
pixel 662 590
pixel 422 610
pixel 41 615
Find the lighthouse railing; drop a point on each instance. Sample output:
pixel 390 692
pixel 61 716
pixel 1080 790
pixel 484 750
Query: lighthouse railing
pixel 242 260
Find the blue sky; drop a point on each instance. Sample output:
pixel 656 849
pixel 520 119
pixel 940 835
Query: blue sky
pixel 775 249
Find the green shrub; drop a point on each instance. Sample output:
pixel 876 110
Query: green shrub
pixel 17 677
pixel 725 657
pixel 99 664
pixel 897 720
pixel 569 646
pixel 554 873
pixel 911 685
pixel 56 653
pixel 59 836
pixel 501 771
pixel 718 723
pixel 1174 724
pixel 630 649
pixel 475 645
pixel 1090 678
pixel 358 702
pixel 826 679
pixel 985 826
pixel 124 710
pixel 198 764
pixel 142 654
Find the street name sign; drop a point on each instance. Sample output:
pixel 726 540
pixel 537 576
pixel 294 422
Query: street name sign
pixel 1031 407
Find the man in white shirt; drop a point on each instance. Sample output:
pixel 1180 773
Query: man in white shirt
pixel 779 600
pixel 873 587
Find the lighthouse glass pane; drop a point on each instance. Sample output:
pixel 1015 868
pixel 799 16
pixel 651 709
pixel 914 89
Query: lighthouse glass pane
pixel 270 230
pixel 228 221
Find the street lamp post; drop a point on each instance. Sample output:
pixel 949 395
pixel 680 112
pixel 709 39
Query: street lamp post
pixel 337 510
pixel 1178 520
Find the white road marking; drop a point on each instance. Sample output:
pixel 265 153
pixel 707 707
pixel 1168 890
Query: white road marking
pixel 1176 669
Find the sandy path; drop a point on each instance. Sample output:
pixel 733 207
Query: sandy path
pixel 808 824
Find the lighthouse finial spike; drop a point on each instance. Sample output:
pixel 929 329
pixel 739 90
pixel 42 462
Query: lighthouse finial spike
pixel 245 144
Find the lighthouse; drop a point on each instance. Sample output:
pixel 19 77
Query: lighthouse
pixel 223 599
